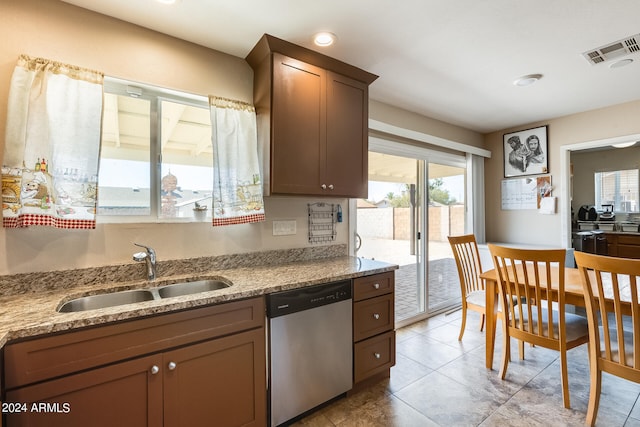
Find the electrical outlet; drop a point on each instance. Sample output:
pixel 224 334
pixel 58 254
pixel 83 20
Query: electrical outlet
pixel 284 227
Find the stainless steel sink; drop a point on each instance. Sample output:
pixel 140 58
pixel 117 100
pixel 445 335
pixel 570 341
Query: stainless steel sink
pixel 188 288
pixel 93 302
pixel 113 299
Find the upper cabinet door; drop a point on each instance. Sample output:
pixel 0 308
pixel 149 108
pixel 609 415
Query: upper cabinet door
pixel 318 131
pixel 347 136
pixel 298 128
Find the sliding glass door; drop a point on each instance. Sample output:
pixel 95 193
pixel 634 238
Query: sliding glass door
pixel 414 203
pixel 390 224
pixel 446 217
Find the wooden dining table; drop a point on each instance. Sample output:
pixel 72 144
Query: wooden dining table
pixel 574 294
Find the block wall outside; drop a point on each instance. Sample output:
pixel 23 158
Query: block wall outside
pixel 456 220
pixel 401 223
pixel 395 223
pixel 375 223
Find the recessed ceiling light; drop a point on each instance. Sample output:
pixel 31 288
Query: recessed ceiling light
pixel 324 39
pixel 621 63
pixel 527 80
pixel 623 144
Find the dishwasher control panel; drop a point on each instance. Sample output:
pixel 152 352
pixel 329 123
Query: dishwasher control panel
pixel 286 302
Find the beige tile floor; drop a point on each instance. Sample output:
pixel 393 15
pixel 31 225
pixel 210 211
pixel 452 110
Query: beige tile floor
pixel 439 381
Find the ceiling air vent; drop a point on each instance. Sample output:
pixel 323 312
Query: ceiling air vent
pixel 613 50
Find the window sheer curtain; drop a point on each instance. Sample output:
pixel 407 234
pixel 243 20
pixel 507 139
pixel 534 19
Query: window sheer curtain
pixel 52 145
pixel 237 185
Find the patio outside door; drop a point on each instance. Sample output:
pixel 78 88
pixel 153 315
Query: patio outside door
pixel 390 225
pixel 406 220
pixel 446 217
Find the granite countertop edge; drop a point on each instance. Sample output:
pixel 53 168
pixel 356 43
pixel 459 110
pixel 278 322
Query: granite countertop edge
pixel 34 313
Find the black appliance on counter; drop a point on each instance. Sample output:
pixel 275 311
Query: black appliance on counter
pixel 587 213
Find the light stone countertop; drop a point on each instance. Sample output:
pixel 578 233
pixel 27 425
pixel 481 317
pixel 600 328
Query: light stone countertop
pixel 32 311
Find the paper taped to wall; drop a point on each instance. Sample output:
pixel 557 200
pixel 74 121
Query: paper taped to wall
pixel 548 205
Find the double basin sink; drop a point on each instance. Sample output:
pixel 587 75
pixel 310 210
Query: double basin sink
pixel 113 299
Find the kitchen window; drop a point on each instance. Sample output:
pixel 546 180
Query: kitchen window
pixel 156 161
pixel 617 188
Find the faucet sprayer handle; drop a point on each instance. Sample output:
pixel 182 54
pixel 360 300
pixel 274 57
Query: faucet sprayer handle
pixel 142 246
pixel 149 249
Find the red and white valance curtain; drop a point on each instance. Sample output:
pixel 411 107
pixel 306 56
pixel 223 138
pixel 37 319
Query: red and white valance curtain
pixel 52 145
pixel 237 187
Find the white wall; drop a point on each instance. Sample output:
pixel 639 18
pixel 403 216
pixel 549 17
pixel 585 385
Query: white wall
pixel 415 122
pixel 527 226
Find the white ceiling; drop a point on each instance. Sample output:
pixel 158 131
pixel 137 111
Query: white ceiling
pixel 450 60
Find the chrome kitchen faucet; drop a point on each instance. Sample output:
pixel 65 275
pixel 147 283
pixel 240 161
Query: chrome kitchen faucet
pixel 149 257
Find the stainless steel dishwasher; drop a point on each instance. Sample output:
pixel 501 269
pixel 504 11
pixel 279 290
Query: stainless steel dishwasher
pixel 310 348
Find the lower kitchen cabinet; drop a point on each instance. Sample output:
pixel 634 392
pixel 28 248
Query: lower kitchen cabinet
pixel 623 245
pixel 124 394
pixel 219 381
pixel 374 356
pixel 374 351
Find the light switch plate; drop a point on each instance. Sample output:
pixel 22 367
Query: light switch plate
pixel 284 227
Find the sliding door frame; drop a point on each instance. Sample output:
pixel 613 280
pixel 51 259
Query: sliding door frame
pixel 386 146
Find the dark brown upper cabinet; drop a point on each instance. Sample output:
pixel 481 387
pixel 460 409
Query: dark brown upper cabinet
pixel 312 113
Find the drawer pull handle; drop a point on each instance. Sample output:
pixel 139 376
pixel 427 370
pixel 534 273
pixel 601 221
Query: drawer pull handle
pixel 376 316
pixel 171 366
pixel 154 370
pixel 330 186
pixel 376 355
pixel 376 286
pixel 324 186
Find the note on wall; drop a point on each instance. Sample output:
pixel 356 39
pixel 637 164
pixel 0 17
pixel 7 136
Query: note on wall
pixel 547 206
pixel 525 193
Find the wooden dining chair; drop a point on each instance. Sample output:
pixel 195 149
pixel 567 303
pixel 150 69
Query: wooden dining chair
pixel 611 298
pixel 532 311
pixel 465 252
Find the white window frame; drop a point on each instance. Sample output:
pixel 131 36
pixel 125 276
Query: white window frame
pixel 155 95
pixel 616 203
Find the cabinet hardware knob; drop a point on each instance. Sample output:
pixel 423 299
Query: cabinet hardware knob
pixel 330 186
pixel 324 186
pixel 376 355
pixel 376 316
pixel 171 366
pixel 376 286
pixel 154 370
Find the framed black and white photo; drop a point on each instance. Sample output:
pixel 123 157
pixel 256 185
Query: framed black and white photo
pixel 526 152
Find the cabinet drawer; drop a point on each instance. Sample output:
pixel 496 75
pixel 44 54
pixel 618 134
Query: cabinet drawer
pixel 39 359
pixel 629 240
pixel 373 286
pixel 372 317
pixel 628 251
pixel 374 355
